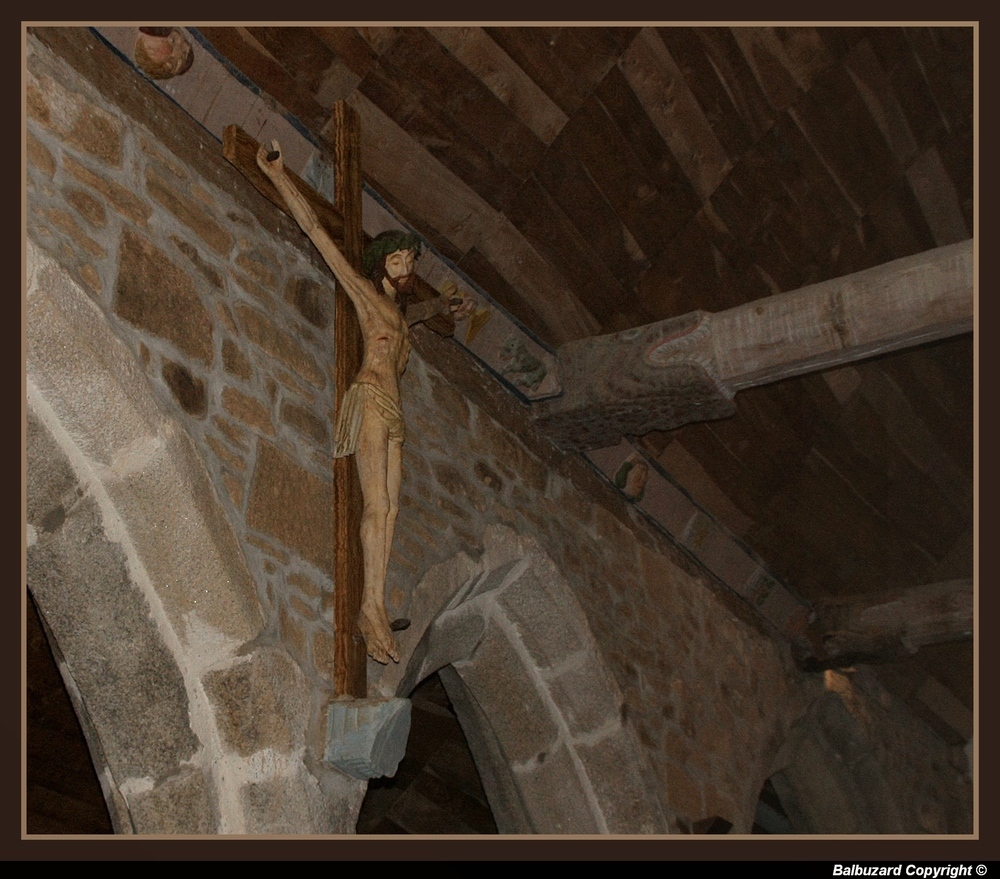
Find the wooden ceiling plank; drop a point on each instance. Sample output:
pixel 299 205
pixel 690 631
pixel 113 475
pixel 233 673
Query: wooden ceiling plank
pixel 688 273
pixel 906 78
pixel 804 53
pixel 660 87
pixel 779 79
pixel 404 171
pixel 919 512
pixel 738 79
pixel 704 81
pixel 297 50
pixel 942 702
pixel 898 221
pixel 837 123
pixel 957 153
pixel 452 146
pixel 619 102
pixel 945 57
pixel 546 227
pixel 477 267
pixel 938 382
pixel 565 317
pixel 533 50
pixel 401 170
pixel 347 44
pixel 913 438
pixel 480 54
pixel 873 85
pixel 935 192
pixel 651 218
pixel 571 188
pixel 688 471
pixel 827 506
pixel 381 40
pixel 315 66
pixel 248 56
pixel 463 101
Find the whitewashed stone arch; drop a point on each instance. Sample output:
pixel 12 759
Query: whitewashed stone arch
pixel 147 599
pixel 542 714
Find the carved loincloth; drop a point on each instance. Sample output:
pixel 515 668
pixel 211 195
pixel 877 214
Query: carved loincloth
pixel 352 411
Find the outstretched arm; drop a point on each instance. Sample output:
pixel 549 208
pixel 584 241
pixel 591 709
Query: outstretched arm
pixel 355 285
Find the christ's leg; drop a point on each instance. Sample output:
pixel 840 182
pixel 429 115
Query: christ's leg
pixel 372 458
pixel 393 480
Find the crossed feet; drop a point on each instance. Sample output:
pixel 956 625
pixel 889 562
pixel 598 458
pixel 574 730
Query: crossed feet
pixel 374 626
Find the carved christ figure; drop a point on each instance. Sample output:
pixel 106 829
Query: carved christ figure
pixel 370 421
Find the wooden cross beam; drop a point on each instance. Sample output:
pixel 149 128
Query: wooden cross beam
pixel 886 626
pixel 689 368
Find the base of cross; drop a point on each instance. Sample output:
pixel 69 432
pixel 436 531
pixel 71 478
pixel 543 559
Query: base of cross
pixel 366 738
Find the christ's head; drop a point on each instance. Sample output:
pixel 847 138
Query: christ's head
pixel 389 262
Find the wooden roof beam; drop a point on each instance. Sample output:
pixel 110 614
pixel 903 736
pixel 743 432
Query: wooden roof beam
pixel 673 372
pixel 887 626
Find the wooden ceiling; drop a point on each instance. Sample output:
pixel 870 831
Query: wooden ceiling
pixel 592 179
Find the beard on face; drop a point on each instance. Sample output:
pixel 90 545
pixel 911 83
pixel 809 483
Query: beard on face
pixel 403 284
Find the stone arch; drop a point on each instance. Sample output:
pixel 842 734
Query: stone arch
pixel 828 778
pixel 144 591
pixel 543 716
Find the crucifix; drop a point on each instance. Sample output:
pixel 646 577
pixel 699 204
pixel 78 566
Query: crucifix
pixel 370 421
pixel 374 308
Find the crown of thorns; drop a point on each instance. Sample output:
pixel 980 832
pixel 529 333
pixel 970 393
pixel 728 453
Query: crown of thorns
pixel 385 243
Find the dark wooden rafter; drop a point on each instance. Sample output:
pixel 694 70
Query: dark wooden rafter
pixel 674 372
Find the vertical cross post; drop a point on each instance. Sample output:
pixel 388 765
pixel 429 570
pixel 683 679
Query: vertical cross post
pixel 350 659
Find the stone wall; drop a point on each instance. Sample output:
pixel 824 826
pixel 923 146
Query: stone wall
pixel 226 311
